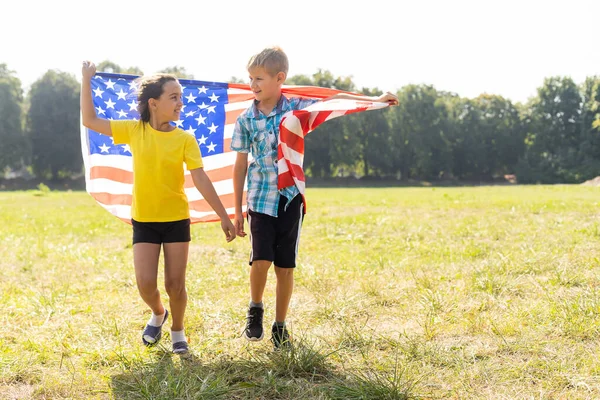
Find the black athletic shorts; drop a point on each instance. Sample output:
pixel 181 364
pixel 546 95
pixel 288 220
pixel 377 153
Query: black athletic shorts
pixel 276 239
pixel 161 232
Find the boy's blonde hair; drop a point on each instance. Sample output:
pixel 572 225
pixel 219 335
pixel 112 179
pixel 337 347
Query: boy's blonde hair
pixel 272 59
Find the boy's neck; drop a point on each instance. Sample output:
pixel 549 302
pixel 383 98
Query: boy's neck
pixel 267 105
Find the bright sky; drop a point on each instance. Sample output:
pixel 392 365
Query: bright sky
pixel 465 46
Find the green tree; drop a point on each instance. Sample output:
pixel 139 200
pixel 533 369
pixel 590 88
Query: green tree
pixel 14 147
pixel 553 136
pixel 53 125
pixel 326 146
pixel 366 141
pixel 488 137
pixel 110 66
pixel 235 79
pixel 178 71
pixel 421 133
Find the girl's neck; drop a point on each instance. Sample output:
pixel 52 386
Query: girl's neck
pixel 162 126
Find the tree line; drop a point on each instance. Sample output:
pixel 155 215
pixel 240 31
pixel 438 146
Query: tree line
pixel 432 135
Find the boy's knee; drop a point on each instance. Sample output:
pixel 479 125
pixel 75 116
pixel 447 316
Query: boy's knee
pixel 284 272
pixel 261 264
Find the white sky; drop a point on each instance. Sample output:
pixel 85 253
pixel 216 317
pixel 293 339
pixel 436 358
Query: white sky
pixel 469 47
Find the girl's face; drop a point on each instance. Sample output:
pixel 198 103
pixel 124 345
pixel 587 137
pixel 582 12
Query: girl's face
pixel 168 106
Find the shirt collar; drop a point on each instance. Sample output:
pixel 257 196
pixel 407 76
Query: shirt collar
pixel 283 105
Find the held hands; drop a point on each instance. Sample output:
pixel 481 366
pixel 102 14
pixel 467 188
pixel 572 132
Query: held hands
pixel 239 225
pixel 228 229
pixel 389 98
pixel 88 70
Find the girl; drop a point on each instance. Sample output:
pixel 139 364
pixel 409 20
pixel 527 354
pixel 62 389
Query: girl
pixel 159 210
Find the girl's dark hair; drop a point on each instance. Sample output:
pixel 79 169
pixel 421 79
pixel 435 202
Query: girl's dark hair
pixel 150 87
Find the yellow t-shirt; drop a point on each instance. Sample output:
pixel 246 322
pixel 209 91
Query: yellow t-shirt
pixel 158 176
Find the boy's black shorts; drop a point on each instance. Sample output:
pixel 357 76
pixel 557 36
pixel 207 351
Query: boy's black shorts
pixel 161 232
pixel 276 239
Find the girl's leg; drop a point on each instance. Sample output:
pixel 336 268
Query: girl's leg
pixel 176 257
pixel 145 261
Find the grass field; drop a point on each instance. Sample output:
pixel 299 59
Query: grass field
pixel 408 293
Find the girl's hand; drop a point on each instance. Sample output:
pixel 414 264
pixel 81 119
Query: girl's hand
pixel 88 70
pixel 228 228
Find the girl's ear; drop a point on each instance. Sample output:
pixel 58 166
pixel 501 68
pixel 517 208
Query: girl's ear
pixel 152 104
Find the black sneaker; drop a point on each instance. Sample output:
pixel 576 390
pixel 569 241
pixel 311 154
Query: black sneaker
pixel 254 324
pixel 280 337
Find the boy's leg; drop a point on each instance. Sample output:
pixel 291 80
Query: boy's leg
pixel 258 279
pixel 285 287
pixel 288 237
pixel 262 239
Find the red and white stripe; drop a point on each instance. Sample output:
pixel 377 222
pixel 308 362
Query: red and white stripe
pixel 296 124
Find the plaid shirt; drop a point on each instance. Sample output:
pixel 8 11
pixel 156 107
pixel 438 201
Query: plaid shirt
pixel 256 133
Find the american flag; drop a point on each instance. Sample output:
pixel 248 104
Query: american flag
pixel 209 112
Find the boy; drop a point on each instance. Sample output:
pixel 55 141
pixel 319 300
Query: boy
pixel 274 216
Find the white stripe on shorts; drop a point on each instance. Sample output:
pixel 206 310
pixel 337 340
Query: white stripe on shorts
pixel 299 229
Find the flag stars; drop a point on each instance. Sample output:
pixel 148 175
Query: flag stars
pixel 100 110
pixel 201 120
pixel 213 128
pixel 121 95
pixel 211 109
pixel 104 148
pixel 98 92
pixel 110 104
pixel 110 84
pixel 126 148
pixel 202 139
pixel 122 114
pixel 133 105
pixel 191 98
pixel 203 89
pixel 211 147
pixel 214 98
pixel 191 131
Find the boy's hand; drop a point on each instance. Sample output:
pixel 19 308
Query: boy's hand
pixel 88 70
pixel 228 228
pixel 239 225
pixel 389 98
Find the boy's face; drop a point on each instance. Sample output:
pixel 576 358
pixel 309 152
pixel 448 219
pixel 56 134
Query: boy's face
pixel 264 85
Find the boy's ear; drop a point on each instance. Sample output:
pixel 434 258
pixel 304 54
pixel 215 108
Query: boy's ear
pixel 281 77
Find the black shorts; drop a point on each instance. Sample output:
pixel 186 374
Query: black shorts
pixel 276 239
pixel 161 232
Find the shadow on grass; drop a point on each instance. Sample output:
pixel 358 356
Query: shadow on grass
pixel 302 372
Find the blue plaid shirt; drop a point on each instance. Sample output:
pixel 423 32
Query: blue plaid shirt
pixel 256 133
